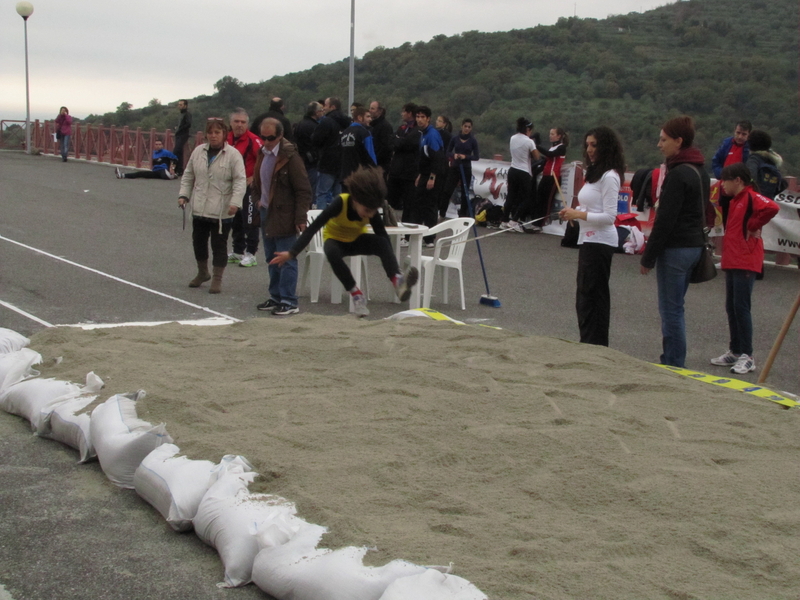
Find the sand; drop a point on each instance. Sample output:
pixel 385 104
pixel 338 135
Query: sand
pixel 541 468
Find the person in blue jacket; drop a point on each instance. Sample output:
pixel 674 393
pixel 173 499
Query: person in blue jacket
pixel 163 163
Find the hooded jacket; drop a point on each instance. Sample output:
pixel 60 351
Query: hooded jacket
pixel 289 192
pixel 326 139
pixel 211 189
pixel 748 211
pixel 682 206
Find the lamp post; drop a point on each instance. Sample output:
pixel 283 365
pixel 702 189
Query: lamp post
pixel 352 53
pixel 25 10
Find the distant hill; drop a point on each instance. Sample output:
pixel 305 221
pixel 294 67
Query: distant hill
pixel 717 60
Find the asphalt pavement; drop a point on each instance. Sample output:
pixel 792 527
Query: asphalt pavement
pixel 78 245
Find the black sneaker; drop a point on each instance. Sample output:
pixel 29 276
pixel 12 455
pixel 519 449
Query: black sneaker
pixel 268 305
pixel 285 309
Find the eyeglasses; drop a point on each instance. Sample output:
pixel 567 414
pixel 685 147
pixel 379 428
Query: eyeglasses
pixel 269 138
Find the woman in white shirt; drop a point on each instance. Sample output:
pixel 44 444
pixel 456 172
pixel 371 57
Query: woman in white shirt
pixel 598 239
pixel 519 175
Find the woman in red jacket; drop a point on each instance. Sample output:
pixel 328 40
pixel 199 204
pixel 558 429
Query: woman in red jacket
pixel 742 258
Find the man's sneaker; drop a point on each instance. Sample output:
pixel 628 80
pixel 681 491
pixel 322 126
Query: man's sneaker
pixel 405 282
pixel 234 258
pixel 117 173
pixel 744 364
pixel 515 227
pixel 531 229
pixel 404 243
pixel 248 260
pixel 360 305
pixel 285 309
pixel 505 226
pixel 268 305
pixel 726 360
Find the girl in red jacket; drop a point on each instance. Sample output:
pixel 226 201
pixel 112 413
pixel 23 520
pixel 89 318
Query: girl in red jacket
pixel 742 258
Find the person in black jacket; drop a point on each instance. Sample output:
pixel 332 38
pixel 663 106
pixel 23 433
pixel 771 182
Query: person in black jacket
pixel 182 132
pixel 677 239
pixel 326 140
pixel 357 145
pixel 276 108
pixel 302 133
pixel 404 167
pixel 382 134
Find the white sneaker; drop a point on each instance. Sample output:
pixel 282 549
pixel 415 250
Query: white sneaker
pixel 515 227
pixel 505 226
pixel 360 305
pixel 406 282
pixel 234 258
pixel 404 243
pixel 118 173
pixel 743 365
pixel 248 260
pixel 726 360
pixel 430 244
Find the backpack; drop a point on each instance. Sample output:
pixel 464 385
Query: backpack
pixel 487 212
pixel 769 179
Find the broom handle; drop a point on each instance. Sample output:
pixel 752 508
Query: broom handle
pixel 465 190
pixel 779 340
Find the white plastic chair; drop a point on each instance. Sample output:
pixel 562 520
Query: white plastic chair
pixel 313 259
pixel 447 254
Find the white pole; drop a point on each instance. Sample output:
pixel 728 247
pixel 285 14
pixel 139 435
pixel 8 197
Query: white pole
pixel 351 95
pixel 27 95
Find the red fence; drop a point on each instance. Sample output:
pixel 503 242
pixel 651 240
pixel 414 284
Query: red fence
pixel 115 145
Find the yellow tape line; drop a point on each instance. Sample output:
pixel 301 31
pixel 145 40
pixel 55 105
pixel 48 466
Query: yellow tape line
pixel 735 384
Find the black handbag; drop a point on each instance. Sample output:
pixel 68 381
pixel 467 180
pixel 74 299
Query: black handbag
pixel 704 270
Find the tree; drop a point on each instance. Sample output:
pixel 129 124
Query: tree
pixel 229 89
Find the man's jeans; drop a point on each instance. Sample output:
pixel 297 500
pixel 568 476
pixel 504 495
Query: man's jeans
pixel 673 269
pixel 283 279
pixel 328 186
pixel 738 291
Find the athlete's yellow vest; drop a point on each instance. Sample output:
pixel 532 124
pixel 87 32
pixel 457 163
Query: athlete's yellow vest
pixel 342 229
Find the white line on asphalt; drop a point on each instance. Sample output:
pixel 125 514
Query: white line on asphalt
pixel 130 283
pixel 25 314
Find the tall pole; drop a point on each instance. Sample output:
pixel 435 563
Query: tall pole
pixel 27 95
pixel 25 10
pixel 352 94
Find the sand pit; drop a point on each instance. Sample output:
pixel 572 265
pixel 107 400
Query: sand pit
pixel 541 468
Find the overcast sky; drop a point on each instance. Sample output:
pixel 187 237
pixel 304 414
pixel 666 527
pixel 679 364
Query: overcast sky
pixel 92 55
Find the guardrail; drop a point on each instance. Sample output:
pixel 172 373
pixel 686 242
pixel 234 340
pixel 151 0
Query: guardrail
pixel 110 144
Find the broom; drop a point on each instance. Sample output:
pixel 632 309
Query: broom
pixel 487 298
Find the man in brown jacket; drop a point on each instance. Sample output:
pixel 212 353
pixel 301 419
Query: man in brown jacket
pixel 281 182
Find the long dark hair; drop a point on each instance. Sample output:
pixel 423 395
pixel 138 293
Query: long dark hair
pixel 609 156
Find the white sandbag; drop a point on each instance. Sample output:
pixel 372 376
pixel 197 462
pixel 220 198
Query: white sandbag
pixel 432 585
pixel 69 425
pixel 28 398
pixel 297 570
pixel 121 439
pixel 16 366
pixel 35 399
pixel 11 341
pixel 226 519
pixel 174 486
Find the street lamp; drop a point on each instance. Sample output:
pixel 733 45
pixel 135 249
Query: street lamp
pixel 352 52
pixel 25 10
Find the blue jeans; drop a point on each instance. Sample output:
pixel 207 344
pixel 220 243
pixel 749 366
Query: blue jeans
pixel 738 291
pixel 63 146
pixel 328 186
pixel 283 279
pixel 673 269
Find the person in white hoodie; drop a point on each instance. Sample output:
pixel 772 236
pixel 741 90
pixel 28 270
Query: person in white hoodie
pixel 213 185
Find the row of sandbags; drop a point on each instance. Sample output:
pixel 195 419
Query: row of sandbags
pixel 259 537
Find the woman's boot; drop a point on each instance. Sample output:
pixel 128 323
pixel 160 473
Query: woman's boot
pixel 202 274
pixel 216 281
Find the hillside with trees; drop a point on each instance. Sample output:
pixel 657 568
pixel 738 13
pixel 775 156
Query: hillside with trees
pixel 717 60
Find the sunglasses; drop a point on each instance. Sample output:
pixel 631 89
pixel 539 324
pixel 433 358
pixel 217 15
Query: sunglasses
pixel 269 138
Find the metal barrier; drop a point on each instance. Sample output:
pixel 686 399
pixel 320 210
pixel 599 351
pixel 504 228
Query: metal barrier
pixel 115 145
